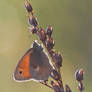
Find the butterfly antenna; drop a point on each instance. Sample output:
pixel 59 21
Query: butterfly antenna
pixel 44 83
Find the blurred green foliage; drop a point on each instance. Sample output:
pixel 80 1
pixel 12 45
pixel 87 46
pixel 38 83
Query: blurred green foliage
pixel 72 24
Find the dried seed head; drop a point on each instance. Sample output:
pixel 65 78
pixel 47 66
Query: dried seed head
pixel 55 75
pixel 79 75
pixel 33 21
pixel 50 44
pixel 28 7
pixel 57 59
pixel 49 31
pixel 51 52
pixel 42 34
pixel 34 29
pixel 56 87
pixel 67 88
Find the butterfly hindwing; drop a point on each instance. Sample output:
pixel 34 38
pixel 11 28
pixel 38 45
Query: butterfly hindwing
pixel 40 67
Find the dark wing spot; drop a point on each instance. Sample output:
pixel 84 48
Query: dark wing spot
pixel 20 72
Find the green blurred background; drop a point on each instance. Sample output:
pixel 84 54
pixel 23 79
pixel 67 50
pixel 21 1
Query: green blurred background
pixel 72 24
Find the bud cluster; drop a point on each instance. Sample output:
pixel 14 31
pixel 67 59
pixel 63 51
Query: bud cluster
pixel 45 35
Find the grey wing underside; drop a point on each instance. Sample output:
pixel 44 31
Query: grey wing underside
pixel 40 67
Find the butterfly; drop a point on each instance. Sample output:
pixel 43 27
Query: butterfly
pixel 34 65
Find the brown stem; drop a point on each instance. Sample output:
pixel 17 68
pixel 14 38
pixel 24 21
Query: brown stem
pixel 81 86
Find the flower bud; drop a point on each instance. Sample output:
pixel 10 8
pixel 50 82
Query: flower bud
pixel 34 30
pixel 56 87
pixel 79 75
pixel 33 21
pixel 55 75
pixel 67 88
pixel 50 44
pixel 57 59
pixel 28 7
pixel 42 34
pixel 49 31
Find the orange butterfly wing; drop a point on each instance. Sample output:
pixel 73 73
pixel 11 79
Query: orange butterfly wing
pixel 22 70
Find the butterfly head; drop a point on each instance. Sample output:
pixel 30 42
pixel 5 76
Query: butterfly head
pixel 37 47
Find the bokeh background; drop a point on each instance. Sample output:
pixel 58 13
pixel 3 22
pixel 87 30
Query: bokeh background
pixel 72 24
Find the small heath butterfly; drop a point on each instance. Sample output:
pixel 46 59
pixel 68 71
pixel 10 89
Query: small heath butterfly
pixel 34 65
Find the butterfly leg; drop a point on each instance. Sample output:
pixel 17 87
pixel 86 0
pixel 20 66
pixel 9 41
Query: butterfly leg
pixel 45 83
